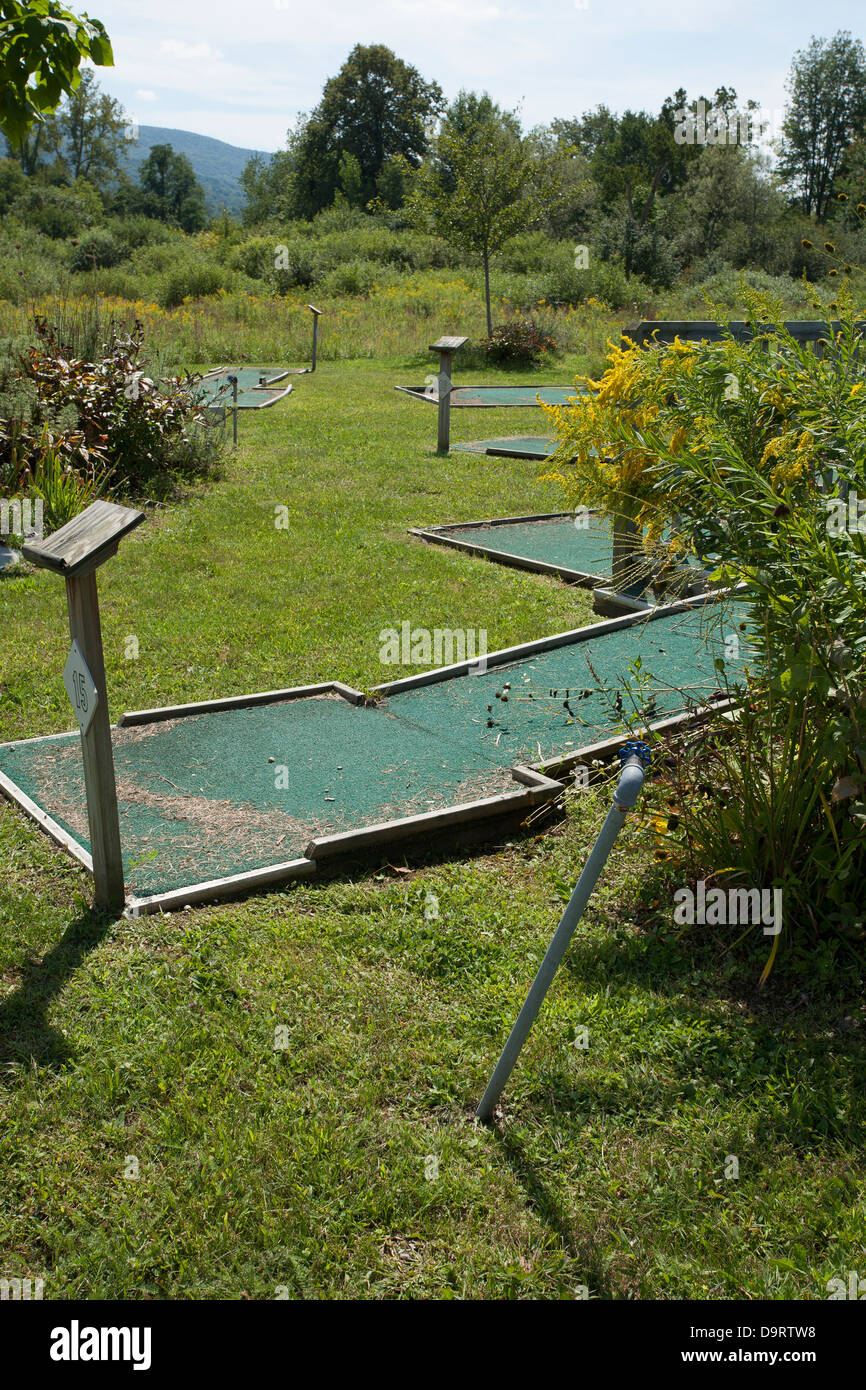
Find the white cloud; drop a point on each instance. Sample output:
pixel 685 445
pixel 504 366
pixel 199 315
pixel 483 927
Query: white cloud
pixel 267 60
pixel 452 10
pixel 189 52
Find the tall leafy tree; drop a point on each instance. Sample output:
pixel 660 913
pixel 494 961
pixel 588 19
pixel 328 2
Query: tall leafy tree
pixel 485 183
pixel 826 112
pixel 94 132
pixel 634 159
pixel 170 190
pixel 268 186
pixel 376 108
pixel 42 46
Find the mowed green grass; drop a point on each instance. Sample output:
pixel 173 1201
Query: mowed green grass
pixel 276 1096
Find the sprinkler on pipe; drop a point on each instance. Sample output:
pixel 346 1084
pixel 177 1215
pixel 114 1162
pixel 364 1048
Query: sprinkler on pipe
pixel 635 757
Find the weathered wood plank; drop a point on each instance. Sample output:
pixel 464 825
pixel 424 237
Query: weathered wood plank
pixel 98 756
pixel 448 344
pixel 85 541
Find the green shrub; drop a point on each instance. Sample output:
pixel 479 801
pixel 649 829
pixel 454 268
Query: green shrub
pixel 97 250
pixel 56 212
pixel 357 278
pixel 256 257
pixel 137 230
pixel 190 280
pixel 30 264
pixel 725 285
pixel 124 422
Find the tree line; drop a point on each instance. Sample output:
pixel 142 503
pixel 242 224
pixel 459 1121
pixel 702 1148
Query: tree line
pixel 699 184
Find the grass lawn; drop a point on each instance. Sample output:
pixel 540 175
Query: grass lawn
pixel 277 1095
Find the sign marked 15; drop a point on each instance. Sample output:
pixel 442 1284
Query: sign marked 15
pixel 80 687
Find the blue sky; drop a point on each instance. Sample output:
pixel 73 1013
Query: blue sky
pixel 243 71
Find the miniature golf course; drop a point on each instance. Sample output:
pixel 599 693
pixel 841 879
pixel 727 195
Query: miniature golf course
pixel 556 544
pixel 257 387
pixel 285 779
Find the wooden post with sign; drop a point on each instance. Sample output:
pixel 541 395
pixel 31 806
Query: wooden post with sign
pixel 315 313
pixel 446 348
pixel 76 551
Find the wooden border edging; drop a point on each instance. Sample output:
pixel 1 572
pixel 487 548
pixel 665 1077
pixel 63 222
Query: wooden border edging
pixel 441 535
pixel 45 822
pixel 261 697
pixel 541 789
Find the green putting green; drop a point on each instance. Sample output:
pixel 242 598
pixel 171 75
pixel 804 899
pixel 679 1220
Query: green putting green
pixel 574 547
pixel 205 796
pixel 516 446
pixel 480 397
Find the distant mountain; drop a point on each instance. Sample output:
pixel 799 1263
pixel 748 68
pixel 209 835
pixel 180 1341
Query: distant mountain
pixel 218 166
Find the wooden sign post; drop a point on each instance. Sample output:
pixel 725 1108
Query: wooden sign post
pixel 233 382
pixel 315 313
pixel 446 348
pixel 76 551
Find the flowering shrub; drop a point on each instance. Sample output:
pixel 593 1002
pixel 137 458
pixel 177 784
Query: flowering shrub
pixel 754 453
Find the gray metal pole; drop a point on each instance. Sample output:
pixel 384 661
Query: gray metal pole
pixel 635 757
pixel 315 340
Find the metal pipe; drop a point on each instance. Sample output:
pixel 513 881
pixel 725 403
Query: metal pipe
pixel 635 758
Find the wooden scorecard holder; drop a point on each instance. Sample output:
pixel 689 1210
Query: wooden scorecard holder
pixel 76 552
pixel 446 348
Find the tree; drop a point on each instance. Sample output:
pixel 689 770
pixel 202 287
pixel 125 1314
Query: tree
pixel 725 185
pixel 349 180
pixel 575 209
pixel 42 45
pixel 484 184
pixel 170 191
pixel 635 158
pixel 41 140
pixel 93 132
pixel 851 185
pixel 377 107
pixel 826 112
pixel 12 184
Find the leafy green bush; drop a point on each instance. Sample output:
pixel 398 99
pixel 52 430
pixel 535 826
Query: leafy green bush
pixel 64 491
pixel 136 230
pixel 256 256
pixel 97 250
pixel 190 280
pixel 30 264
pixel 56 212
pixel 357 278
pixel 124 421
pixel 724 286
